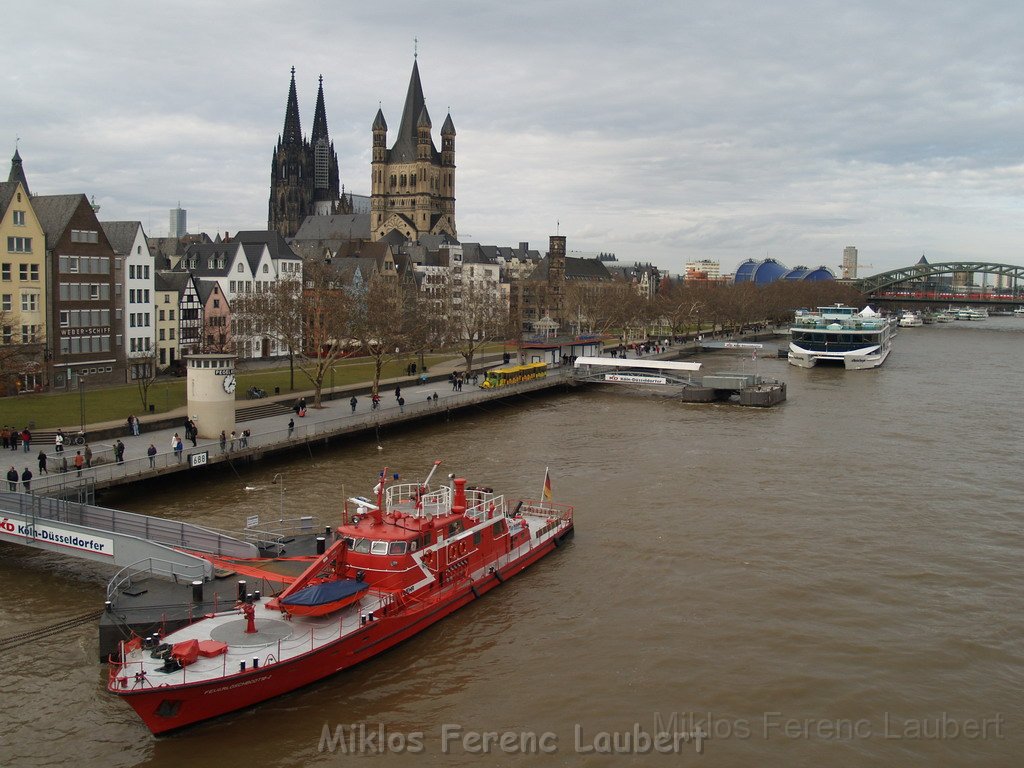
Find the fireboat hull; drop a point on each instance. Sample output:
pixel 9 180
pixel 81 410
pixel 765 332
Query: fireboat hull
pixel 165 709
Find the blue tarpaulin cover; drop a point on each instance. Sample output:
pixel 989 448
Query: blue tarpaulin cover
pixel 328 592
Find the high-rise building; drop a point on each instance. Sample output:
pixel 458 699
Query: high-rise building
pixel 850 263
pixel 177 227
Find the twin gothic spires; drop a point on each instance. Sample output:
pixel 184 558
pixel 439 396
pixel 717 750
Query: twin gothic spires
pixel 304 177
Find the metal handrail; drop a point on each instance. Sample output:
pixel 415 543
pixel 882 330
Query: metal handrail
pixel 124 576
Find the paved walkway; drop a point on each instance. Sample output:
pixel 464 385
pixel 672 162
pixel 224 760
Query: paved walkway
pixel 264 429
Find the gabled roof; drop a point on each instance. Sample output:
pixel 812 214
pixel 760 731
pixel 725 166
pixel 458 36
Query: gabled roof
pixel 54 213
pixel 276 244
pixel 575 269
pixel 166 280
pixel 121 235
pixel 352 226
pixel 253 254
pixel 203 252
pixel 7 190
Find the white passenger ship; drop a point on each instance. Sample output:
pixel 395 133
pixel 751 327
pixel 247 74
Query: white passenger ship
pixel 840 334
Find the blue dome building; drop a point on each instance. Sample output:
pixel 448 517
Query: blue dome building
pixel 769 270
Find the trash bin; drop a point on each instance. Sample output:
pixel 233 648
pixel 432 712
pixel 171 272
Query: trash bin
pixel 152 408
pixel 277 390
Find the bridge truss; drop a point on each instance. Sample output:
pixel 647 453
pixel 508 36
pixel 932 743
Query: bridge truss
pixel 919 273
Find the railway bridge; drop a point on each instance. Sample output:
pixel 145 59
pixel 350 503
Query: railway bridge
pixel 926 283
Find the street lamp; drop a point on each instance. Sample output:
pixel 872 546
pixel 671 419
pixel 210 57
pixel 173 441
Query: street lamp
pixel 81 401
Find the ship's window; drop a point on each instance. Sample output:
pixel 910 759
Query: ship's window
pixel 498 528
pixel 379 548
pixel 350 542
pixel 397 548
pixel 454 528
pixel 476 539
pixel 427 539
pixel 361 545
pixel 413 545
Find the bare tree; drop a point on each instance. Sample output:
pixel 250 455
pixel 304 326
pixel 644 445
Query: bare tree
pixel 480 317
pixel 18 356
pixel 143 370
pixel 325 312
pixel 381 321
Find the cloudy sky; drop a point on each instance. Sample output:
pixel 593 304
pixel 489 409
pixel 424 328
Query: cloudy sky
pixel 664 131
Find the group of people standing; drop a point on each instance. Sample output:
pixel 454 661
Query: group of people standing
pixel 11 437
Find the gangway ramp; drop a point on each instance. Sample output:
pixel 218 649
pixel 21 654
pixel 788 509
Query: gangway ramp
pixel 114 537
pixel 627 371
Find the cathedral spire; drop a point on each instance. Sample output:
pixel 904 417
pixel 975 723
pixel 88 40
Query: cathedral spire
pixel 320 118
pixel 292 128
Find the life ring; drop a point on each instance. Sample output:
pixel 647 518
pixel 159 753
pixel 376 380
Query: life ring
pixel 462 548
pixel 453 551
pixel 428 556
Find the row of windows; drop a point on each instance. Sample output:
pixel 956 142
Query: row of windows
pixel 85 236
pixel 29 334
pixel 139 345
pixel 138 295
pixel 138 272
pixel 19 245
pixel 84 318
pixel 78 345
pixel 170 334
pixel 170 315
pixel 29 302
pixel 84 292
pixel 138 319
pixel 86 265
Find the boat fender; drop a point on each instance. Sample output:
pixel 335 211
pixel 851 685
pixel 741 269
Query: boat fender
pixel 360 575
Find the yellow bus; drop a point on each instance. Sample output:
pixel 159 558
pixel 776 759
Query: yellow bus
pixel 513 374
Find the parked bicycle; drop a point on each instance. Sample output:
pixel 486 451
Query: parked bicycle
pixel 255 393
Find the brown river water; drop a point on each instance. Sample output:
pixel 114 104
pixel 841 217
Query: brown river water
pixel 838 581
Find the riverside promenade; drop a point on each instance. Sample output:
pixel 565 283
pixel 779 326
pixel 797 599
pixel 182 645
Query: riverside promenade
pixel 267 420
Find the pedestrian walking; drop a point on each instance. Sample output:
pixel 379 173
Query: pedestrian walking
pixel 79 461
pixel 26 479
pixel 435 398
pixel 135 426
pixel 119 451
pixel 151 452
pixel 12 478
pixel 58 442
pixel 131 424
pixel 291 427
pixel 398 392
pixel 353 402
pixel 87 455
pixel 179 447
pixel 375 401
pixel 194 432
pixel 401 405
pixel 5 436
pixel 26 439
pixel 233 438
pixel 42 462
pixel 223 441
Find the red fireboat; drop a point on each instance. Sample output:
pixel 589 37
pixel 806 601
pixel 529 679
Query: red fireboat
pixel 397 565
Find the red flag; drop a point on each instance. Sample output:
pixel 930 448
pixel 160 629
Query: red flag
pixel 547 485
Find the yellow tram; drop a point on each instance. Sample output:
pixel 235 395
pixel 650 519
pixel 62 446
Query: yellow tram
pixel 513 374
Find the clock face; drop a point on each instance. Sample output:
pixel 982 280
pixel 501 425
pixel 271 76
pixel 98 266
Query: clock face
pixel 229 384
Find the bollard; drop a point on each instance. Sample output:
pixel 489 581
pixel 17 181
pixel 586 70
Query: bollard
pixel 320 545
pixel 197 591
pixel 108 606
pixel 256 663
pixel 241 666
pixel 241 590
pixel 256 596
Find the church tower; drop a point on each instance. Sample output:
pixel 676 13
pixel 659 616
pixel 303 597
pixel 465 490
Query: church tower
pixel 304 177
pixel 412 184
